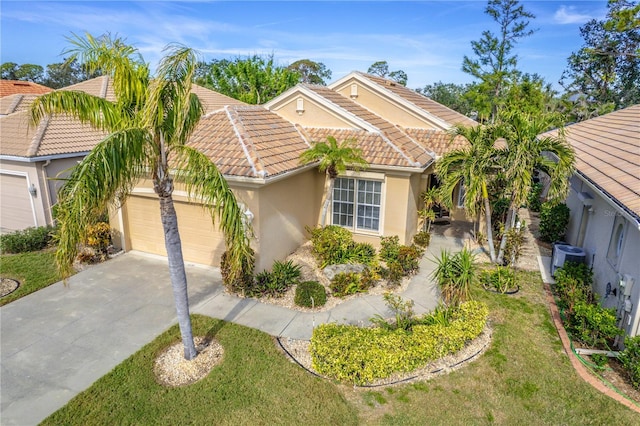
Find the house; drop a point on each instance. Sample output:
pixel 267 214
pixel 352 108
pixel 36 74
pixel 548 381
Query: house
pixel 604 199
pixel 32 158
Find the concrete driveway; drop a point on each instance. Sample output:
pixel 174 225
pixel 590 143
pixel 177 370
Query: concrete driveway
pixel 59 340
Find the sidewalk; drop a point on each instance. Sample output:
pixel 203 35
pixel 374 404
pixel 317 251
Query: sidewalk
pixel 57 341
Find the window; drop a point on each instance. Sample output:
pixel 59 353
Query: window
pixel 360 198
pixel 617 240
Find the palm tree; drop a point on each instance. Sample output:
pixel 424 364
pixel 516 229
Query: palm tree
pixel 473 167
pixel 333 158
pixel 527 151
pixel 147 128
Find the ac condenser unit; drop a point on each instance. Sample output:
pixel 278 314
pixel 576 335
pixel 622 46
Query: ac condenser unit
pixel 566 253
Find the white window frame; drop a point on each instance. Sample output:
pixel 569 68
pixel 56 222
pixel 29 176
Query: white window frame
pixel 355 203
pixel 616 243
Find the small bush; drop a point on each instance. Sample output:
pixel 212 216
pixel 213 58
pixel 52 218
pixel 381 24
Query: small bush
pixel 534 201
pixel 630 359
pixel 331 245
pixel 402 311
pixel 363 253
pixel 515 243
pixel 454 275
pixel 594 325
pixel 441 315
pixel 369 277
pixel 409 258
pixel 501 279
pixel 573 285
pixel 422 239
pixel 554 219
pixel 278 281
pixel 99 237
pixel 393 273
pixel 242 284
pixel 389 248
pixel 310 294
pixel 346 283
pixel 30 239
pixel 600 360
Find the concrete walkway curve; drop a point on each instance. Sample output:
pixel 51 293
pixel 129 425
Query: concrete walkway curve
pixel 57 341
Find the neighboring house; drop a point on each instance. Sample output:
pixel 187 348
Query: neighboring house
pixel 605 208
pixel 19 87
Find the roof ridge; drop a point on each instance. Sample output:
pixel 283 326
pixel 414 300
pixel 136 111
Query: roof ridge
pixel 303 134
pixel 105 85
pixel 237 125
pixel 15 103
pixel 37 138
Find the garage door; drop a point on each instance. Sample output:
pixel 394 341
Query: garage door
pixel 201 242
pixel 15 203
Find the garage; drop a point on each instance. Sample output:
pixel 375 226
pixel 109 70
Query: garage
pixel 16 209
pixel 201 242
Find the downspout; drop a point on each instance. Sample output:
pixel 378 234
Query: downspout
pixel 48 211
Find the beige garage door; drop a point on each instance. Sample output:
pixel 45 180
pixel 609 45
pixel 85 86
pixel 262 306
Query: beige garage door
pixel 201 243
pixel 15 203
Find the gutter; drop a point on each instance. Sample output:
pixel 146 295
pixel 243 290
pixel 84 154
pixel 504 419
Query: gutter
pixel 42 157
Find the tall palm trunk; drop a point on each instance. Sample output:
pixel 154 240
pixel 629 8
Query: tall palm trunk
pixel 511 215
pixel 327 201
pixel 487 215
pixel 177 272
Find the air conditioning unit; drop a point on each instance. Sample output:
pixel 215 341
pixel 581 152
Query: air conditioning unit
pixel 566 253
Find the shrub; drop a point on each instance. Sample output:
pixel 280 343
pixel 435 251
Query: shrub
pixel 310 294
pixel 331 245
pixel 409 258
pixel 600 360
pixel 441 315
pixel 99 237
pixel 514 245
pixel 422 239
pixel 593 325
pixel 554 219
pixel 363 253
pixel 389 248
pixel 30 239
pixel 454 275
pixel 573 285
pixel 393 273
pixel 369 277
pixel 630 359
pixel 275 283
pixel 360 355
pixel 244 282
pixel 402 311
pixel 500 279
pixel 346 283
pixel 533 199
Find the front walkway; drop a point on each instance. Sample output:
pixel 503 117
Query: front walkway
pixel 57 341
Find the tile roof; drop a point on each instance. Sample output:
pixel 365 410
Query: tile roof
pixel 608 154
pixel 211 100
pixel 392 140
pixel 438 141
pixel 99 86
pixel 15 103
pixel 12 87
pixel 249 141
pixel 427 104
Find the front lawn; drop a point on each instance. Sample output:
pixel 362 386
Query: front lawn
pixel 524 378
pixel 34 270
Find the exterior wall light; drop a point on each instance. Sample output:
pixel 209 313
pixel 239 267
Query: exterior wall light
pixel 33 190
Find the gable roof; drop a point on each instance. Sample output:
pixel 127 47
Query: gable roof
pixel 12 87
pixel 249 141
pixel 15 103
pixel 438 141
pixel 608 154
pixel 402 93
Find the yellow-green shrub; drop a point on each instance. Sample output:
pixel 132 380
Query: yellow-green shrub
pixel 361 355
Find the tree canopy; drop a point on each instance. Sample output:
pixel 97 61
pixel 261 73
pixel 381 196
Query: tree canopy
pixel 381 68
pixel 311 72
pixel 254 79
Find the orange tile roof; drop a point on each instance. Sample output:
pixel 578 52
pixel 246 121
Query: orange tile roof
pixel 427 104
pixel 438 141
pixel 608 154
pixel 12 87
pixel 249 141
pixel 393 139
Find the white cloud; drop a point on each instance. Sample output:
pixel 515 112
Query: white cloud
pixel 569 15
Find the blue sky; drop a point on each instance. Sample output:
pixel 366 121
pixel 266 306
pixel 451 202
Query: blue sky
pixel 426 39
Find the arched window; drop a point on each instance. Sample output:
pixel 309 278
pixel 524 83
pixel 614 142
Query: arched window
pixel 617 241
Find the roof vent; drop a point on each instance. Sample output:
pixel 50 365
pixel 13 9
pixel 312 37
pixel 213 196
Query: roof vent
pixel 390 83
pixel 354 91
pixel 300 106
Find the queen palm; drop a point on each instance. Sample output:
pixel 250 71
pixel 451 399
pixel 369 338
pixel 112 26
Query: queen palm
pixel 474 167
pixel 527 150
pixel 147 127
pixel 333 159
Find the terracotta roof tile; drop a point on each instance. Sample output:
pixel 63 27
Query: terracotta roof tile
pixel 99 86
pixel 414 154
pixel 429 105
pixel 249 141
pixel 15 103
pixel 12 87
pixel 608 153
pixel 438 141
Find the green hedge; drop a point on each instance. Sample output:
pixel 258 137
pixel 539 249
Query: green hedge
pixel 30 239
pixel 361 355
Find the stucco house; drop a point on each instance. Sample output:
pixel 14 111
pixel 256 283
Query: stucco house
pixel 604 199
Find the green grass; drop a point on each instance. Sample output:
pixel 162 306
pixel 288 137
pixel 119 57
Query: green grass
pixel 34 270
pixel 524 378
pixel 254 384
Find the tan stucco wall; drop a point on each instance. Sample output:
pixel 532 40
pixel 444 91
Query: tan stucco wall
pixel 396 209
pixel 314 115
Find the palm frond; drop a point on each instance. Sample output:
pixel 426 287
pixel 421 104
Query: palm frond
pixel 108 172
pixel 88 109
